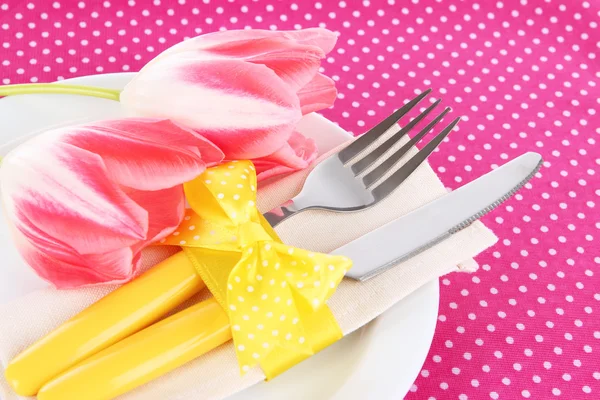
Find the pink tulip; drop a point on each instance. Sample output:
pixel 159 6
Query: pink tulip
pixel 243 90
pixel 83 201
pixel 295 155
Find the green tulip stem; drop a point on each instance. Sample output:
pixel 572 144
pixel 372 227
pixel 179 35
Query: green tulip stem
pixel 46 88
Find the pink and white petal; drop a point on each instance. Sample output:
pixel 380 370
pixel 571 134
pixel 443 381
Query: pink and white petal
pixel 298 153
pixel 266 171
pixel 295 61
pixel 74 271
pixel 64 192
pixel 166 209
pixel 167 133
pixel 136 157
pixel 44 243
pixel 117 266
pixel 214 40
pixel 318 94
pixel 295 64
pixel 319 37
pixel 243 108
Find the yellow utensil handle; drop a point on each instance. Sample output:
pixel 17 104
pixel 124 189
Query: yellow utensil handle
pixel 143 356
pixel 123 312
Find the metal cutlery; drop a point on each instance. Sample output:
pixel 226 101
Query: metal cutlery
pixel 417 231
pixel 343 181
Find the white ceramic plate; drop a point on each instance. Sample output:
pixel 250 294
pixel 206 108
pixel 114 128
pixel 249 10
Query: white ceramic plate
pixel 379 361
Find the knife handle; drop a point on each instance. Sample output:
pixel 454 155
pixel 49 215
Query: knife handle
pixel 121 313
pixel 144 356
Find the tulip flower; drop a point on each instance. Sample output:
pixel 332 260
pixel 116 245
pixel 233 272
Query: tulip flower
pixel 243 90
pixel 295 155
pixel 83 201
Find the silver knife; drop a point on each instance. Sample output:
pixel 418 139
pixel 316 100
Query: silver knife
pixel 430 224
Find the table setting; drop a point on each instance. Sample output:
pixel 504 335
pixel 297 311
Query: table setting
pixel 370 200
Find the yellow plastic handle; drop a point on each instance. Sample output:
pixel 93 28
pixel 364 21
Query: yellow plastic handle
pixel 125 311
pixel 144 356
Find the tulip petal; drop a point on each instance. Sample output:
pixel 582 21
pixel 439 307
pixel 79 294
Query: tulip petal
pixel 243 108
pixel 319 37
pixel 295 64
pixel 298 153
pixel 114 266
pixel 166 209
pixel 144 154
pixel 166 133
pixel 71 271
pixel 74 220
pixel 224 86
pixel 63 191
pixel 318 94
pixel 293 55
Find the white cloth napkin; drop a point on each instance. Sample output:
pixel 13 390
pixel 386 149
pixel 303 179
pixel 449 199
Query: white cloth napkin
pixel 216 374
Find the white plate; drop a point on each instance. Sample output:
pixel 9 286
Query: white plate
pixel 379 361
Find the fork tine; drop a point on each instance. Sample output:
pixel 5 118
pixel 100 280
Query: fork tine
pixel 378 152
pixel 373 176
pixel 392 182
pixel 354 149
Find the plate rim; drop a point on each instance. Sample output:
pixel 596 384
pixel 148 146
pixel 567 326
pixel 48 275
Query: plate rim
pixel 384 377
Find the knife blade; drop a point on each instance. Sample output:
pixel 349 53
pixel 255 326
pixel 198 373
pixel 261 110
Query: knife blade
pixel 436 221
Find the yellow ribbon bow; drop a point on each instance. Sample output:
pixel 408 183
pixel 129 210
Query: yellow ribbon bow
pixel 274 294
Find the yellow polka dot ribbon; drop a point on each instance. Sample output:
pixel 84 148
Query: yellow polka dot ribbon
pixel 274 294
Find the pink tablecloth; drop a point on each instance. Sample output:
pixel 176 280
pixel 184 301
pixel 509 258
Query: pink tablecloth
pixel 524 74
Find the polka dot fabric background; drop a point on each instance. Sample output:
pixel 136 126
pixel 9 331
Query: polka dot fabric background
pixel 523 73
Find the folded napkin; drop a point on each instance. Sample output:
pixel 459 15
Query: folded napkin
pixel 216 374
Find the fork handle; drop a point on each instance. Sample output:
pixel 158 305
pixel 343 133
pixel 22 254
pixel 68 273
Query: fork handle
pixel 281 213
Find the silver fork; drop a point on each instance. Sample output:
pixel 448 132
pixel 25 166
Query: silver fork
pixel 338 183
